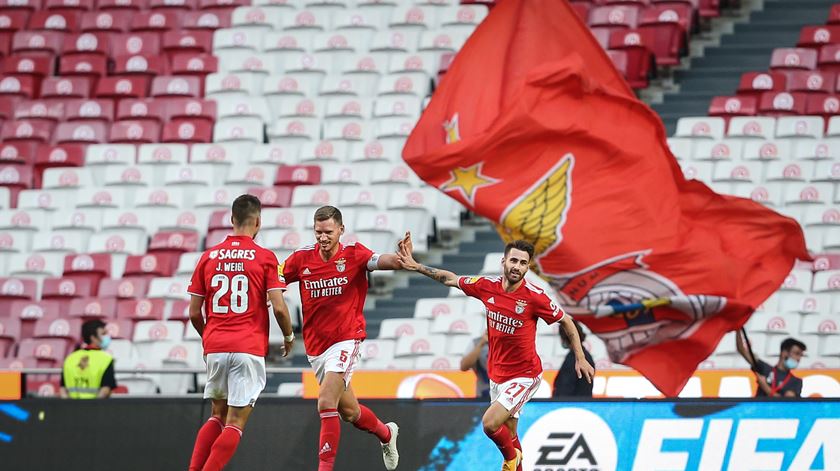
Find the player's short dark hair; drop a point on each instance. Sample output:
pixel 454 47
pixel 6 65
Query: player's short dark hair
pixel 89 329
pixel 565 337
pixel 325 213
pixel 244 208
pixel 522 245
pixel 791 342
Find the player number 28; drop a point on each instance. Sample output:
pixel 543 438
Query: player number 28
pixel 238 287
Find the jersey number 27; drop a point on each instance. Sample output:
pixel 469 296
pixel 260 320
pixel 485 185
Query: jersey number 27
pixel 238 288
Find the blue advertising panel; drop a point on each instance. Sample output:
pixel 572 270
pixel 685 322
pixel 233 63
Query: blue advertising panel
pixel 643 436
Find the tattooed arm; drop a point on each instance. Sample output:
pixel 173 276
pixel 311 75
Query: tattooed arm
pixel 407 262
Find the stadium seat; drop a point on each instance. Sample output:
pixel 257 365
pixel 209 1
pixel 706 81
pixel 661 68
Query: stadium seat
pixel 126 288
pixel 395 328
pixel 415 346
pixel 49 352
pixel 141 309
pixel 93 308
pixel 793 58
pixel 782 103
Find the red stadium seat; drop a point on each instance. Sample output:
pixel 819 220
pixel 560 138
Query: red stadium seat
pixel 9 334
pixel 294 175
pixel 189 108
pixel 16 178
pixel 18 152
pixel 70 5
pixel 122 87
pixel 207 20
pixel 86 43
pixel 86 110
pixel 54 21
pixel 66 87
pixel 635 67
pixel 18 85
pixel 134 132
pixel 106 21
pixel 668 42
pixel 8 104
pixel 151 265
pixel 188 41
pixel 13 20
pixel 728 106
pixel 273 197
pixel 41 42
pixel 215 4
pixel 27 130
pixel 756 83
pixel 124 288
pixel 614 17
pixel 135 43
pixel 142 109
pixel 83 65
pixel 59 328
pixel 829 58
pixel 93 308
pixel 174 242
pixel 50 110
pixel 30 311
pixel 180 311
pixel 220 219
pixel 93 267
pixel 670 12
pixel 25 64
pixel 50 156
pixel 140 64
pixel 141 309
pixel 199 65
pixel 81 133
pixel 834 14
pixel 27 5
pixel 818 36
pixel 811 81
pixel 66 288
pixel 120 328
pixel 176 86
pixel 825 105
pixel 191 131
pixel 156 21
pixel 184 5
pixel 782 103
pixel 123 5
pixel 49 352
pixel 790 58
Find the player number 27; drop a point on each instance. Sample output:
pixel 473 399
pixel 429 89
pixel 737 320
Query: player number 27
pixel 518 387
pixel 238 287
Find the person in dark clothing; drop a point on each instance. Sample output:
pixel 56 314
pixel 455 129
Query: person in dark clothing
pixel 475 358
pixel 567 382
pixel 778 380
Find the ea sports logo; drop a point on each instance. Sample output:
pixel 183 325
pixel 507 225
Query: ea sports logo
pixel 567 439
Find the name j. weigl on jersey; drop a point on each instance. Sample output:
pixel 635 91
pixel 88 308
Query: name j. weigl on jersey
pixel 503 323
pixel 326 286
pixel 232 254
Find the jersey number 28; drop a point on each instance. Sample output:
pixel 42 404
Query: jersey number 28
pixel 238 287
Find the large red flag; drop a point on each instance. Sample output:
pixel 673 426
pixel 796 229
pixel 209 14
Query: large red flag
pixel 534 128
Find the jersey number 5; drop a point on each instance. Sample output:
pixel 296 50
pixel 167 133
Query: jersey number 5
pixel 238 287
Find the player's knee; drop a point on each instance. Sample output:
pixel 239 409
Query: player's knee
pixel 349 414
pixel 326 403
pixel 490 425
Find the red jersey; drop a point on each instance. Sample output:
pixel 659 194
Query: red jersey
pixel 511 325
pixel 332 293
pixel 234 278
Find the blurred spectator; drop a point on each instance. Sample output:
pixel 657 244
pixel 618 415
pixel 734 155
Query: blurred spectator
pixel 775 381
pixel 88 373
pixel 567 382
pixel 476 359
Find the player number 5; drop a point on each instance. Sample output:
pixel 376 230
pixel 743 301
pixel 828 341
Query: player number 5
pixel 238 287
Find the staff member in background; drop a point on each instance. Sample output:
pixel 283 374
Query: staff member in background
pixel 775 381
pixel 88 373
pixel 476 359
pixel 567 383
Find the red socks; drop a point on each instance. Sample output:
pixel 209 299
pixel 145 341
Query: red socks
pixel 518 446
pixel 328 444
pixel 501 437
pixel 223 448
pixel 368 422
pixel 207 434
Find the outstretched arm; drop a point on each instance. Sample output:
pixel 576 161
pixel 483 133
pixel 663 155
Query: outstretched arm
pixel 391 261
pixel 407 262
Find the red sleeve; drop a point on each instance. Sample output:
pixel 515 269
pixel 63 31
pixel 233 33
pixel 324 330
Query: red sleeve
pixel 196 286
pixel 362 255
pixel 288 270
pixel 470 285
pixel 547 310
pixel 273 272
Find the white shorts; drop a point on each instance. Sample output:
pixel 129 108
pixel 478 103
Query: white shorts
pixel 342 357
pixel 237 377
pixel 514 393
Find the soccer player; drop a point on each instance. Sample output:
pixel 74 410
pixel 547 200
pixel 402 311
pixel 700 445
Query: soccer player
pixel 231 282
pixel 333 286
pixel 513 306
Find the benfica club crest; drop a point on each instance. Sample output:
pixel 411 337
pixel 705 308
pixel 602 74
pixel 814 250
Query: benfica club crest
pixel 520 306
pixel 339 264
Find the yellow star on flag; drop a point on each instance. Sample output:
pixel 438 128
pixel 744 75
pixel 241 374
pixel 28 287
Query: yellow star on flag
pixel 467 181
